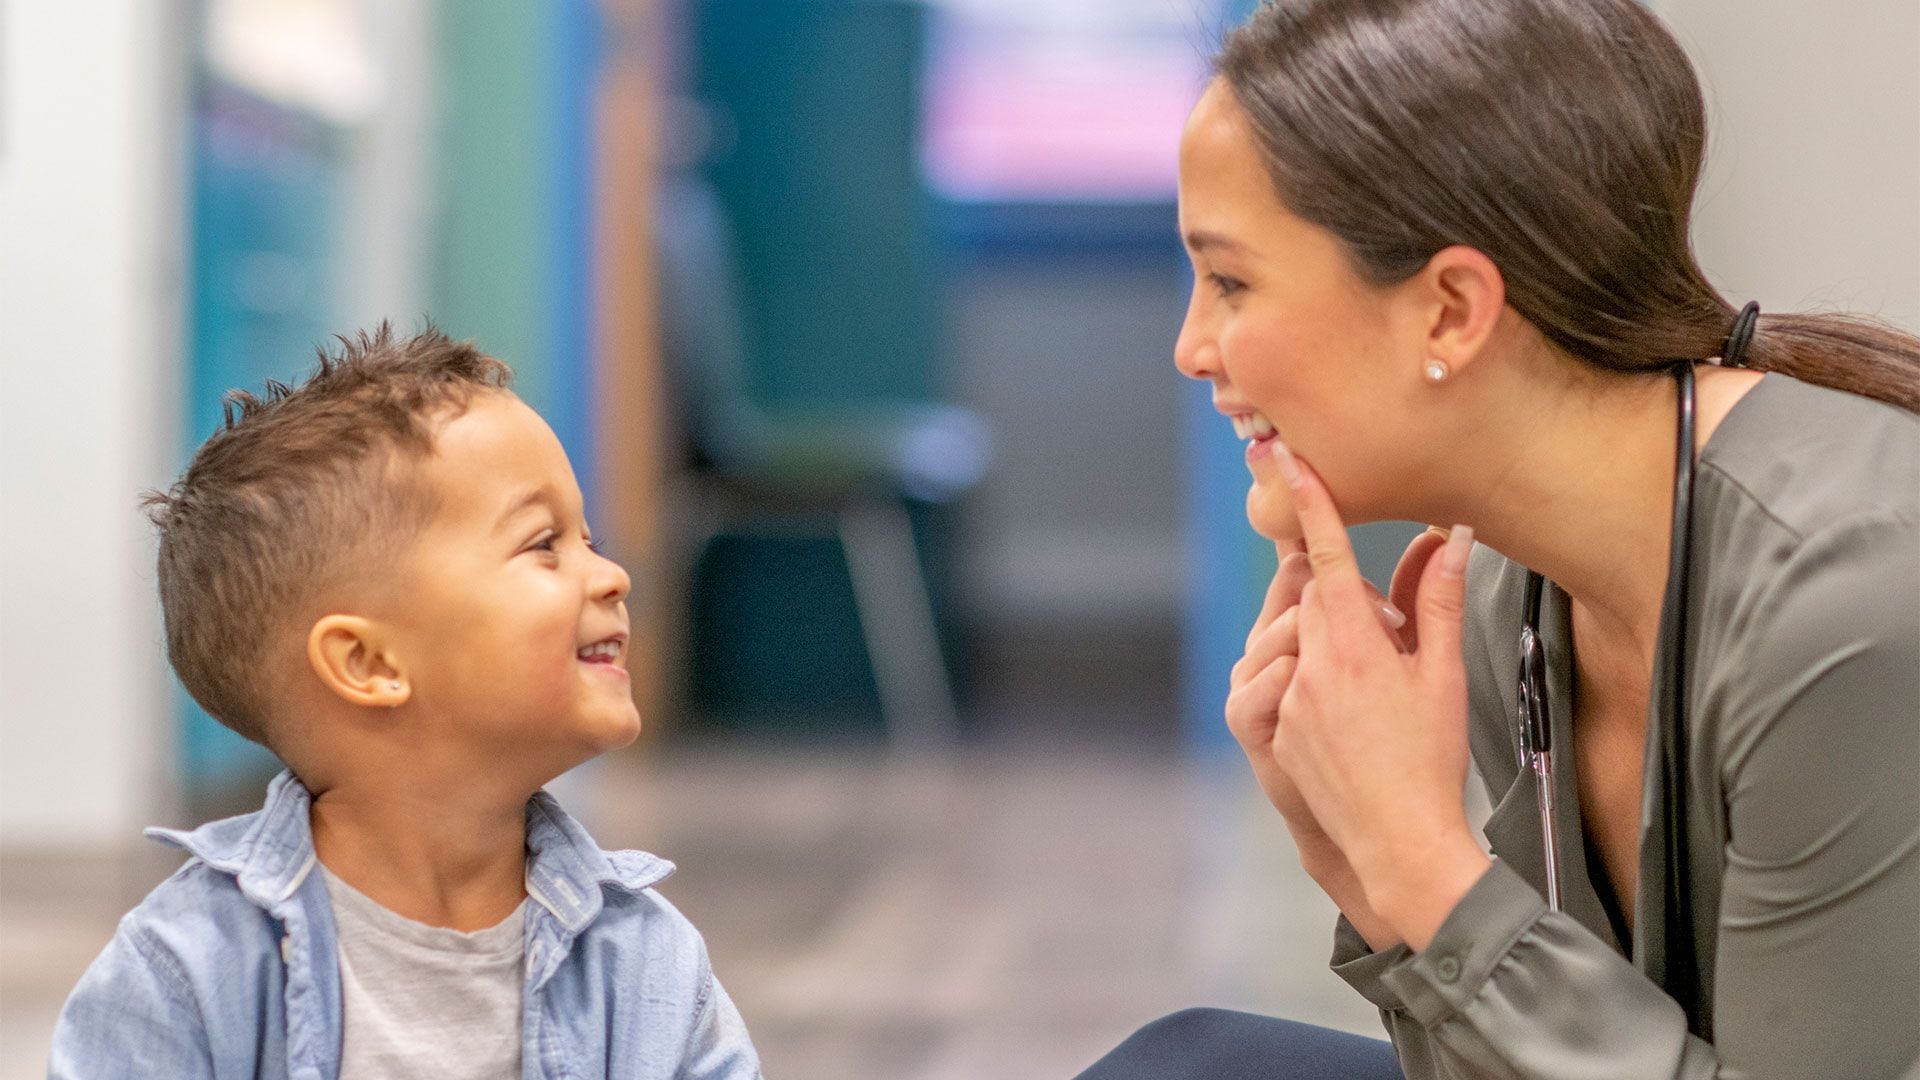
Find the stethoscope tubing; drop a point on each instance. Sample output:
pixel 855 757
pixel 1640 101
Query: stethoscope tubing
pixel 1535 742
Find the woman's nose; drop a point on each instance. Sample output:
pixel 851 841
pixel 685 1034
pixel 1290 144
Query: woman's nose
pixel 1194 352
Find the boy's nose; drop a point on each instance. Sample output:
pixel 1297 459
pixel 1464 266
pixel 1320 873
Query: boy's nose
pixel 612 582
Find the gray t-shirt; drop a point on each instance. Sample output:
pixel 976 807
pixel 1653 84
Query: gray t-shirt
pixel 419 1000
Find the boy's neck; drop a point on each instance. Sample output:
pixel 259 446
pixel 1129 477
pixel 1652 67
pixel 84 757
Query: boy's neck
pixel 431 853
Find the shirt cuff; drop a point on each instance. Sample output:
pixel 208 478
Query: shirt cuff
pixel 1440 981
pixel 1356 962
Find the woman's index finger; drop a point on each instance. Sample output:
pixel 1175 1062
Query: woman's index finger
pixel 1325 534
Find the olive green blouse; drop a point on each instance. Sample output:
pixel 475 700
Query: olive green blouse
pixel 1801 803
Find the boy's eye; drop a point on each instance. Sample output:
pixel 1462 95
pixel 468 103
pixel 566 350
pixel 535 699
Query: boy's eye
pixel 544 543
pixel 596 546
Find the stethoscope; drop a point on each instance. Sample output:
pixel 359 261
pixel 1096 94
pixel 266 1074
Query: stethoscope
pixel 1535 737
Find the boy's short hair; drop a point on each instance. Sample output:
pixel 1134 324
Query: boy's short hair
pixel 298 489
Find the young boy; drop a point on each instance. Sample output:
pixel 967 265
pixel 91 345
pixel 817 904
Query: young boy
pixel 384 576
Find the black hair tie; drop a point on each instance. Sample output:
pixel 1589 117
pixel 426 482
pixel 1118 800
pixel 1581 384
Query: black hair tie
pixel 1733 353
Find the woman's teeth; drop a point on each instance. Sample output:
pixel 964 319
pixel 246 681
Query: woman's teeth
pixel 600 651
pixel 1253 426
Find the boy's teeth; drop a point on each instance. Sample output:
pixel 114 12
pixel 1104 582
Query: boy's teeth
pixel 1253 426
pixel 602 650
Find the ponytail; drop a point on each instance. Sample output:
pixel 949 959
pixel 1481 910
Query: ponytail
pixel 1846 352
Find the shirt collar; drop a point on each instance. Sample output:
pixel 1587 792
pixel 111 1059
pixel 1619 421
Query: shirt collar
pixel 269 852
pixel 566 869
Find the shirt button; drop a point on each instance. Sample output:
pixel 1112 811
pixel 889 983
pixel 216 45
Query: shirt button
pixel 1448 968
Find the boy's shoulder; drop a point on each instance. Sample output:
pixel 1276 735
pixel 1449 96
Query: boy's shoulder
pixel 215 911
pixel 197 930
pixel 182 977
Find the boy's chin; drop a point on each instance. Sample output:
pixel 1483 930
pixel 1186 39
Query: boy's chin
pixel 590 737
pixel 618 732
pixel 625 737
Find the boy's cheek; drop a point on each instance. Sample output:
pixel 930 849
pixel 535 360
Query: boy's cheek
pixel 555 682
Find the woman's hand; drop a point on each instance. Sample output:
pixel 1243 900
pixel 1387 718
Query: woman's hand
pixel 1258 683
pixel 1260 678
pixel 1371 738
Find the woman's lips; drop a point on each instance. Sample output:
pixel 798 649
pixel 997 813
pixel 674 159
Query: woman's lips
pixel 1260 449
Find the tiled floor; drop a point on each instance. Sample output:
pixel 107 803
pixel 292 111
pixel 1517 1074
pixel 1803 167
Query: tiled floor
pixel 994 915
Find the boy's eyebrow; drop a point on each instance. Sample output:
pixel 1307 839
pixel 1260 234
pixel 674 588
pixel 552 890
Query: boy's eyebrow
pixel 534 497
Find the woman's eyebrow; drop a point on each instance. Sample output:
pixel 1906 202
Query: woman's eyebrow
pixel 1202 239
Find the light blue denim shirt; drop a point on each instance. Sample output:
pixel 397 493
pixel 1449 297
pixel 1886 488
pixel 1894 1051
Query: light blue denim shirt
pixel 230 968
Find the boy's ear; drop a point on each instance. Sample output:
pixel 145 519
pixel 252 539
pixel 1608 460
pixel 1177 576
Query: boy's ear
pixel 348 655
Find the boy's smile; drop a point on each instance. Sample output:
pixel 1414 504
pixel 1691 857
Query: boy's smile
pixel 511 630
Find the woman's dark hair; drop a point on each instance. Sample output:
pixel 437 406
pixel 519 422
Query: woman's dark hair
pixel 1562 138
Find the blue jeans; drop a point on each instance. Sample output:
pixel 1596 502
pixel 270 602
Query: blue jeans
pixel 1216 1044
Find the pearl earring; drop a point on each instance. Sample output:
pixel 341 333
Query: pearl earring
pixel 1437 371
pixel 396 685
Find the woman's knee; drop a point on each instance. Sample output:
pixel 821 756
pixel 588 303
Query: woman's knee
pixel 1221 1044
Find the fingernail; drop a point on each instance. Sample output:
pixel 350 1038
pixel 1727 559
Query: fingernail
pixel 1289 468
pixel 1395 618
pixel 1437 531
pixel 1453 557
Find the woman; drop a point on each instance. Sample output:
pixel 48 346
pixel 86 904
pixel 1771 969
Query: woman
pixel 1441 250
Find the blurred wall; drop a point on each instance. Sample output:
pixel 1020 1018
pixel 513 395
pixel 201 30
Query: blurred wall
pixel 512 253
pixel 1811 197
pixel 388 201
pixel 91 146
pixel 1069 354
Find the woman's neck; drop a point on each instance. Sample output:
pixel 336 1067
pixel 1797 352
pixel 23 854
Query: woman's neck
pixel 1584 494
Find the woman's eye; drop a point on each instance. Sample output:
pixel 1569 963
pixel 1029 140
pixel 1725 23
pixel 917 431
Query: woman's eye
pixel 596 546
pixel 1224 285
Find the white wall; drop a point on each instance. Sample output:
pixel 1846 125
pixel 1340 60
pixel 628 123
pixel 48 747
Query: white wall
pixel 1812 193
pixel 93 292
pixel 387 209
pixel 91 161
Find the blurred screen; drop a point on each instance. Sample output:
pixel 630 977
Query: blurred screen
pixel 1062 101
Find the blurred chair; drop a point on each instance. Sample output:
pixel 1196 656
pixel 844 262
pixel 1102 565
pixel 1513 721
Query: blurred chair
pixel 846 471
